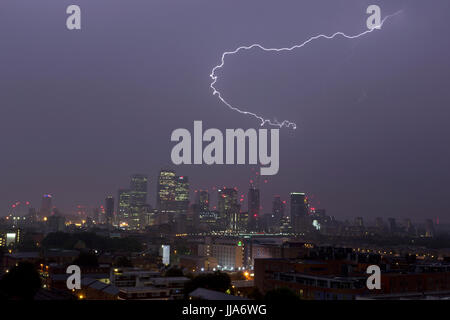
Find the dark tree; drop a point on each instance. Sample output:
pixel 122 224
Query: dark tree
pixel 22 282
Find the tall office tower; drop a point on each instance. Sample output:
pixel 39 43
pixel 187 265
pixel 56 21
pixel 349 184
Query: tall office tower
pixel 182 194
pixel 46 205
pixel 166 185
pixel 409 228
pixel 359 222
pixel 96 215
pixel 56 222
pixel 299 211
pixel 146 216
pixel 138 188
pixel 229 208
pixel 253 208
pixel 392 225
pixel 278 207
pixel 109 210
pixel 243 222
pixel 429 228
pixel 379 223
pixel 32 215
pixel 138 198
pixel 123 205
pixel 202 200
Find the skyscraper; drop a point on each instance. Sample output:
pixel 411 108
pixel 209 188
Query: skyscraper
pixel 109 210
pixel 278 208
pixel 166 186
pixel 409 228
pixel 429 228
pixel 229 208
pixel 379 223
pixel 182 194
pixel 46 205
pixel 359 222
pixel 392 225
pixel 138 198
pixel 123 205
pixel 200 207
pixel 202 200
pixel 253 208
pixel 131 202
pixel 96 215
pixel 138 189
pixel 299 211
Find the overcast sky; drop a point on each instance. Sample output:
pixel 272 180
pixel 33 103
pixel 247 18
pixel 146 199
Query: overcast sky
pixel 82 110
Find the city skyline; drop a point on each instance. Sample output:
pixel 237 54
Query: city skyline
pixel 247 200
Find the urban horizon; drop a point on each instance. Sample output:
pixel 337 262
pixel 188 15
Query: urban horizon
pixel 22 208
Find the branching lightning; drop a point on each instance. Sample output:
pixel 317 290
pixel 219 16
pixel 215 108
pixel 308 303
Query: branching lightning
pixel 285 123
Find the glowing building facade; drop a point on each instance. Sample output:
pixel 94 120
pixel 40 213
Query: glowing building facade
pixel 138 198
pixel 229 208
pixel 182 194
pixel 132 202
pixel 123 205
pixel 166 188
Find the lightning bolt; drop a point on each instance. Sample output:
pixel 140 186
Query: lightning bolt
pixel 285 123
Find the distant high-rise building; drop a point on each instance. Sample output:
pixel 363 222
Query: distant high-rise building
pixel 166 186
pixel 359 222
pixel 409 228
pixel 228 208
pixel 299 211
pixel 146 216
pixel 123 205
pixel 96 215
pixel 138 190
pixel 46 205
pixel 379 223
pixel 138 198
pixel 278 207
pixel 182 194
pixel 392 225
pixel 56 222
pixel 253 208
pixel 429 228
pixel 243 222
pixel 32 215
pixel 202 200
pixel 109 210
